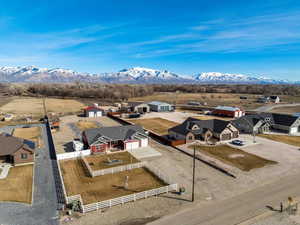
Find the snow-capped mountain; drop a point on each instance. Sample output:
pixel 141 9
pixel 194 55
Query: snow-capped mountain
pixel 135 75
pixel 227 78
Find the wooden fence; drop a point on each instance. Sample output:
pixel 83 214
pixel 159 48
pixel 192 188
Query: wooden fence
pixel 70 155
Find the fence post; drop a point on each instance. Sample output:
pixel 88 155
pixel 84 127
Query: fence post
pixel 167 189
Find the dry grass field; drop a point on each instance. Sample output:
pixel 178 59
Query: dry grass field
pixel 234 157
pixel 17 186
pixel 25 106
pixel 212 99
pixel 98 162
pixel 291 140
pixel 84 125
pixel 105 187
pixel 32 133
pixel 287 109
pixel 157 125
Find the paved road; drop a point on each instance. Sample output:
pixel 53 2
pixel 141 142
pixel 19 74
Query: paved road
pixel 268 108
pixel 237 209
pixel 43 209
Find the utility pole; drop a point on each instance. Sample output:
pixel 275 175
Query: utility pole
pixel 193 187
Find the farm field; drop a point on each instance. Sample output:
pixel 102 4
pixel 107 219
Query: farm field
pixel 234 157
pixel 212 99
pixel 32 133
pixel 98 162
pixel 17 186
pixel 291 140
pixel 105 187
pixel 287 109
pixel 84 125
pixel 24 106
pixel 157 125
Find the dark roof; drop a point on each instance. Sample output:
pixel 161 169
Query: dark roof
pixel 10 144
pixel 215 125
pixel 244 122
pixel 134 104
pixel 274 97
pixel 115 133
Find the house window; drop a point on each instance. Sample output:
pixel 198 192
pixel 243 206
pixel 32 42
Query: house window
pixel 190 137
pixel 24 156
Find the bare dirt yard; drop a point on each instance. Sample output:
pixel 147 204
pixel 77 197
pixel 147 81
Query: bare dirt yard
pixel 287 109
pixel 17 186
pixel 207 117
pixel 157 125
pixel 233 156
pixel 64 136
pixel 31 133
pixel 291 140
pixel 105 187
pixel 33 107
pixel 98 162
pixel 84 125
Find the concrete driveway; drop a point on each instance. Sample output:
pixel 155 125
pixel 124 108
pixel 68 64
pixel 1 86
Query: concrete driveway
pixel 43 210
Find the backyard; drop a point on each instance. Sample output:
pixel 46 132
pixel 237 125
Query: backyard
pixel 233 156
pixel 290 140
pixel 287 109
pixel 84 125
pixel 105 187
pixel 157 125
pixel 17 186
pixel 31 133
pixel 98 162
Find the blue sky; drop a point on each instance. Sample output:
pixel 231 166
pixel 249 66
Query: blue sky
pixel 187 37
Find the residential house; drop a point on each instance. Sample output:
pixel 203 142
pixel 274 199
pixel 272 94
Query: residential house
pixel 116 138
pixel 15 150
pixel 274 99
pixel 266 122
pixel 157 106
pixel 93 111
pixel 204 130
pixel 228 111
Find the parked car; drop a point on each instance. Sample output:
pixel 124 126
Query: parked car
pixel 237 142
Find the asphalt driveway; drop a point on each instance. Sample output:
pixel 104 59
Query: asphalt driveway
pixel 43 210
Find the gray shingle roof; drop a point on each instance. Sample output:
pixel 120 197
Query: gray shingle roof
pixel 10 144
pixel 114 133
pixel 215 125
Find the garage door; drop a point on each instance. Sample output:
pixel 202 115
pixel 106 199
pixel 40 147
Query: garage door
pixel 132 145
pixel 226 137
pixel 91 114
pixel 99 114
pixel 144 142
pixel 294 130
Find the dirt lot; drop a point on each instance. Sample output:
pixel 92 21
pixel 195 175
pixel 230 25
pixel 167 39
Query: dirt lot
pixel 64 137
pixel 287 109
pixel 105 187
pixel 98 162
pixel 157 125
pixel 233 156
pixel 291 140
pixel 32 133
pixel 84 125
pixel 17 187
pixel 205 117
pixel 25 107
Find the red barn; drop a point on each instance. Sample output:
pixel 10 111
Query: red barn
pixel 228 111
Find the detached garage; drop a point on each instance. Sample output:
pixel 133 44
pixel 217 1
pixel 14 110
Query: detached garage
pixel 93 111
pixel 160 106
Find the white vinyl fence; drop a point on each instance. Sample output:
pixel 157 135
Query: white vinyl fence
pixel 70 155
pixel 128 198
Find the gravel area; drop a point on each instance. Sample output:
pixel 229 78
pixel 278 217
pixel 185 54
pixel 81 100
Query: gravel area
pixel 278 219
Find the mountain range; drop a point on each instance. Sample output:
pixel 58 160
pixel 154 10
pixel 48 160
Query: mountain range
pixel 136 75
